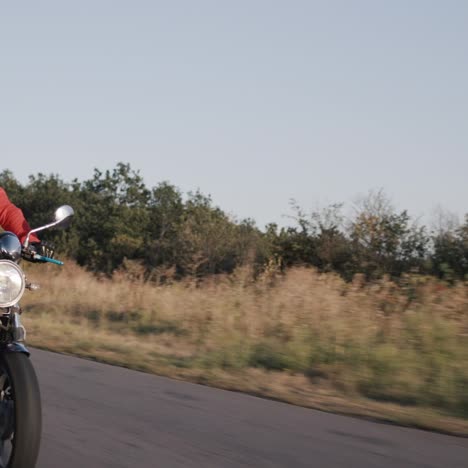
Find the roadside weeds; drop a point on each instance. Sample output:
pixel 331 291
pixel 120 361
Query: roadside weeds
pixel 394 353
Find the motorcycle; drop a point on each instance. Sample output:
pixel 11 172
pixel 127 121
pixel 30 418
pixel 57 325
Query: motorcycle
pixel 20 401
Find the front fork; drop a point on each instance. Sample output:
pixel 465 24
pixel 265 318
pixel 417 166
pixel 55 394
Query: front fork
pixel 16 332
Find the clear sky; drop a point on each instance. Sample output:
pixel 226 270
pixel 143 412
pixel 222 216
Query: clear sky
pixel 253 101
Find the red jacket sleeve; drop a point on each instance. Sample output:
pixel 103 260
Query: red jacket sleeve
pixel 12 219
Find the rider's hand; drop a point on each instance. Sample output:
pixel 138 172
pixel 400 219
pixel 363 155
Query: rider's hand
pixel 45 249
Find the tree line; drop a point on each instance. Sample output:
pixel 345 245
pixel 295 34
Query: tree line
pixel 121 223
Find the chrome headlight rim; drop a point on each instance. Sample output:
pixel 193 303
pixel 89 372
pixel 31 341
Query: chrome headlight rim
pixel 19 272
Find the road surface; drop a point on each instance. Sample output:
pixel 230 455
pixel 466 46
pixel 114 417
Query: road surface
pixel 99 416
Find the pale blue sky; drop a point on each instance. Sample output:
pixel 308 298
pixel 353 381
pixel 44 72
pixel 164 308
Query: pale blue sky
pixel 253 101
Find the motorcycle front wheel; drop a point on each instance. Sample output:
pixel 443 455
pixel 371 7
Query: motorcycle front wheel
pixel 20 412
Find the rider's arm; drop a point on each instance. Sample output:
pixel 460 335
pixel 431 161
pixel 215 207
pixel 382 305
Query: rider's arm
pixel 12 219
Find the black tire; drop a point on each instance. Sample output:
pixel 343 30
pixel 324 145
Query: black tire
pixel 27 423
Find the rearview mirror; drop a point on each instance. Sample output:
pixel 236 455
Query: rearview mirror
pixel 63 216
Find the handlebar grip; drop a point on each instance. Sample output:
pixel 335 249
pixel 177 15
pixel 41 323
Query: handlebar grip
pixel 47 259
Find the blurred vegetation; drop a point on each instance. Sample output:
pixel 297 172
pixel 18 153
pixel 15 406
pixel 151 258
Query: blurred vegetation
pixel 120 222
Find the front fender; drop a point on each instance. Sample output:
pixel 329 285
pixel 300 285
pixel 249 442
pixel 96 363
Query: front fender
pixel 14 347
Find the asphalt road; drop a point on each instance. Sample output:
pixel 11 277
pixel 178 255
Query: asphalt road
pixel 98 416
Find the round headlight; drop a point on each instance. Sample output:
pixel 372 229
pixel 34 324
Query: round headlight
pixel 12 283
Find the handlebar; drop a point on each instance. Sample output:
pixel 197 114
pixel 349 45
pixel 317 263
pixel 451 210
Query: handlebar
pixel 32 256
pixel 40 258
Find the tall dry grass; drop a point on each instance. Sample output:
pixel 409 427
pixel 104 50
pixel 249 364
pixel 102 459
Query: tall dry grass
pixel 405 343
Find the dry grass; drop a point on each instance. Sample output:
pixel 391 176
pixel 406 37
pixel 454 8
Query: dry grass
pixel 380 350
